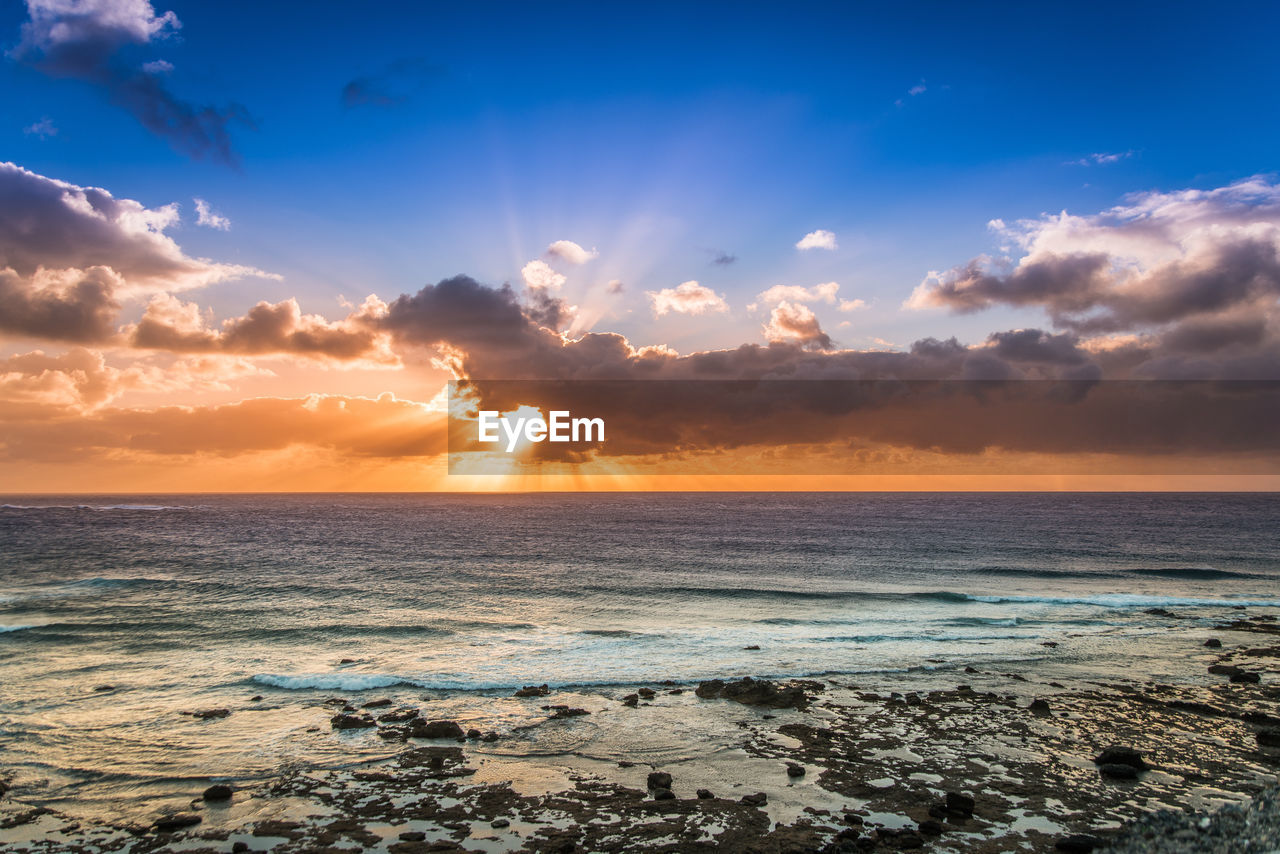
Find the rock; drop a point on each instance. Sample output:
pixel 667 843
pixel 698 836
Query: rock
pixel 1213 643
pixel 210 714
pixel 567 712
pixel 970 669
pixel 1077 843
pixel 1246 677
pixel 1159 612
pixel 663 795
pixel 347 661
pixel 754 646
pixel 256 698
pixel 474 733
pixel 658 780
pixel 413 836
pixel 647 693
pixel 1223 669
pixel 910 840
pixel 675 692
pixel 1269 737
pixel 500 823
pixel 104 687
pixel 239 847
pixel 795 770
pixel 1050 644
pixel 760 692
pixel 1039 707
pixel 217 792
pixel 345 721
pixel 1118 771
pixel 381 702
pixel 399 716
pixel 759 799
pixel 533 691
pixel 435 729
pixel 489 736
pixel 959 804
pixel 1121 755
pixel 177 821
pixel 631 700
pixel 931 827
pixel 705 795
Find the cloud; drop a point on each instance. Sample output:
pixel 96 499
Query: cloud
pixel 852 304
pixel 825 292
pixel 1102 158
pixel 567 250
pixel 44 128
pixel 206 217
pixel 1159 259
pixel 723 259
pixel 820 239
pixel 89 40
pixel 539 276
pixel 267 329
pixel 795 323
pixel 394 85
pixel 66 305
pixel 157 66
pixel 55 225
pixel 615 286
pixel 687 298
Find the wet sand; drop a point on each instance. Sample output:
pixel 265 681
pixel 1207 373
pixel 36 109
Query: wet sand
pixel 958 759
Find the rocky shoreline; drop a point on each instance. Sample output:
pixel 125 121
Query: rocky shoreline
pixel 958 759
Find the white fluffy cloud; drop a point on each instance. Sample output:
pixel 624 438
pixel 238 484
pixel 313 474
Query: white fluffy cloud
pixel 205 216
pixel 792 323
pixel 825 292
pixel 820 239
pixel 688 298
pixel 539 276
pixel 567 250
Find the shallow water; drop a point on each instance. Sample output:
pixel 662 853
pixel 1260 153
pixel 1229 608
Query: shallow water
pixel 193 602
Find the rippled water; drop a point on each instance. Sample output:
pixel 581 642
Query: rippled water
pixel 189 602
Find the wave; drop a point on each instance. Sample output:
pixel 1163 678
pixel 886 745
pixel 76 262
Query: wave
pixel 99 507
pixel 5 629
pixel 915 638
pixel 1126 600
pixel 1192 573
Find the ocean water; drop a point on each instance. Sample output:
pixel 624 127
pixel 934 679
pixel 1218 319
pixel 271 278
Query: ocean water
pixel 182 603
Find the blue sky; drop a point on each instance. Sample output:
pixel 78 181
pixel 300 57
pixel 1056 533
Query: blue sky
pixel 661 135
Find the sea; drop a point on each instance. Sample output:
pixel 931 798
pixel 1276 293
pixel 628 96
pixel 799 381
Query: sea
pixel 120 615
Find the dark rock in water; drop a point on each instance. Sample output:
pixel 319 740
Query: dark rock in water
pixel 344 721
pixel 1159 612
pixel 500 823
pixel 335 701
pixel 631 700
pixel 938 811
pixel 473 733
pixel 347 661
pixel 1078 843
pixel 625 763
pixel 413 836
pixel 239 847
pixel 959 804
pixel 256 698
pixel 1246 676
pixel 533 691
pixel 1223 669
pixel 754 646
pixel 931 827
pixel 659 780
pixel 210 714
pixel 675 692
pixel 663 795
pixel 379 703
pixel 969 669
pixel 1268 737
pixel 393 733
pixel 568 712
pixel 436 729
pixel 399 716
pixel 760 692
pixel 1120 755
pixel 1039 707
pixel 1050 644
pixel 705 795
pixel 910 840
pixel 217 792
pixel 647 693
pixel 759 799
pixel 795 770
pixel 104 687
pixel 1213 643
pixel 489 736
pixel 1118 771
pixel 177 821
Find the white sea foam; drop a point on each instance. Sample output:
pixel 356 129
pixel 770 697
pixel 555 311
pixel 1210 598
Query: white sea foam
pixel 14 628
pixel 1129 600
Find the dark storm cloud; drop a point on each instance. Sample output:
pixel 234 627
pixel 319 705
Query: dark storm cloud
pixel 89 42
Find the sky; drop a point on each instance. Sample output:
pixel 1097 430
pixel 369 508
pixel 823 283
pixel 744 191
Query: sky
pixel 244 246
